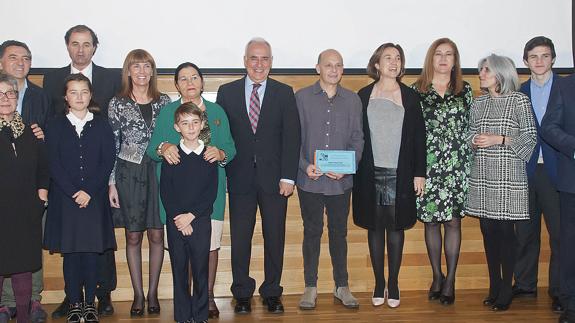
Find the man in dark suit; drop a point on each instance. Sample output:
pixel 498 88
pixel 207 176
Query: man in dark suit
pixel 82 42
pixel 542 89
pixel 35 108
pixel 265 126
pixel 558 130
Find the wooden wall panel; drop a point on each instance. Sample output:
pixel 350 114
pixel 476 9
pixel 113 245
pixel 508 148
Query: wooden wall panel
pixel 415 272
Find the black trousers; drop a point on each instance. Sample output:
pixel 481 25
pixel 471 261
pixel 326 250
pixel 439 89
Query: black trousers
pixel 184 251
pixel 243 209
pixel 543 199
pixel 567 263
pixel 106 263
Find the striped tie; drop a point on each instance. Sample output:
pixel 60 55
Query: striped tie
pixel 254 113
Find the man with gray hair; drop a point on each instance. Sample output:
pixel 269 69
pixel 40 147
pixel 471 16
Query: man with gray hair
pixel 35 108
pixel 331 119
pixel 265 126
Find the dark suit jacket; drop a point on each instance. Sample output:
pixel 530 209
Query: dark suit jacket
pixel 272 153
pixel 558 129
pixel 549 153
pixel 411 163
pixel 36 106
pixel 106 84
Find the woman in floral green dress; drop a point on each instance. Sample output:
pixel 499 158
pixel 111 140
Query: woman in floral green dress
pixel 445 100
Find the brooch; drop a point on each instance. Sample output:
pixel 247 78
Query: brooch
pixel 217 122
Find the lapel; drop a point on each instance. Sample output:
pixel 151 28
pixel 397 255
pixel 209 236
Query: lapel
pixel 26 104
pixel 240 96
pixel 266 108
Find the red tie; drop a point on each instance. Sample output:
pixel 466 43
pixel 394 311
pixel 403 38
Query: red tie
pixel 254 112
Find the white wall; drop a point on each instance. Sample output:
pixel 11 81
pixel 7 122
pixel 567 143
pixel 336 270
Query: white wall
pixel 213 33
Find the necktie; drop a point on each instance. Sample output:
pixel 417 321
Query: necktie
pixel 254 113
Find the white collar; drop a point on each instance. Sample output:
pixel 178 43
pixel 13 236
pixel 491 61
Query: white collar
pixel 196 151
pixel 87 72
pixel 79 123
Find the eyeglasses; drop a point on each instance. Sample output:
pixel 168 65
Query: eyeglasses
pixel 11 94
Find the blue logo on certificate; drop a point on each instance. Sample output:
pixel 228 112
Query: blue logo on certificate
pixel 335 161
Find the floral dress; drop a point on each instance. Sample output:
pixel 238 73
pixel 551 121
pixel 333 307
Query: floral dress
pixel 448 154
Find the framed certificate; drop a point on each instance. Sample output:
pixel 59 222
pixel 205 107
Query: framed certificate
pixel 335 161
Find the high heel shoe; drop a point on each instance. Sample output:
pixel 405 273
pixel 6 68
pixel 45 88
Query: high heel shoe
pixel 154 309
pixel 433 295
pixel 378 301
pixel 392 302
pixel 135 311
pixel 500 307
pixel 447 300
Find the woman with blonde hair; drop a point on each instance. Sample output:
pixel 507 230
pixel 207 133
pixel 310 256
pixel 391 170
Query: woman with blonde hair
pixel 133 190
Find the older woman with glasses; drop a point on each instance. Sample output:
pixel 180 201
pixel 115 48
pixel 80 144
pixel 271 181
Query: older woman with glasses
pixel 25 178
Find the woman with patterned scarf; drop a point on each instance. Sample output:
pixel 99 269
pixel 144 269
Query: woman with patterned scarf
pixel 25 178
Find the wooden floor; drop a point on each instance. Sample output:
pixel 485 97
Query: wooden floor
pixel 414 308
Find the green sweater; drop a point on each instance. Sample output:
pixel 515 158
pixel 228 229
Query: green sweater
pixel 220 138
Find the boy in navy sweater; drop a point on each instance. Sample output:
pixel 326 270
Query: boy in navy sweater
pixel 188 191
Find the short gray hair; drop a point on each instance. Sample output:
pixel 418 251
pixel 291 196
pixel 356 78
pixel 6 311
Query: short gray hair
pixel 504 70
pixel 9 79
pixel 258 40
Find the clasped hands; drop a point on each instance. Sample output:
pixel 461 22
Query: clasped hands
pixel 314 173
pixel 183 223
pixel 484 140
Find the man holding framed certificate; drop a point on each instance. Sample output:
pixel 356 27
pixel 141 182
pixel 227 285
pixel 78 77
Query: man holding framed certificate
pixel 331 145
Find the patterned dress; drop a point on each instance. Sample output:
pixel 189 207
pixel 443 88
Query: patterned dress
pixel 448 155
pixel 498 178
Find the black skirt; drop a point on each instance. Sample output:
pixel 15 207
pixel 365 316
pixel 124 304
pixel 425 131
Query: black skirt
pixel 138 195
pixel 385 190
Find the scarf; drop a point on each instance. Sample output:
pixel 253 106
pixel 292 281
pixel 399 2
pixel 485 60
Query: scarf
pixel 16 126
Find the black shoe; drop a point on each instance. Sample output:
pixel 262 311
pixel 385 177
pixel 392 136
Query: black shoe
pixel 489 301
pixel 522 293
pixel 105 307
pixel 566 317
pixel 447 300
pixel 433 295
pixel 90 314
pixel 62 309
pixel 500 307
pixel 74 314
pixel 137 311
pixel 556 306
pixel 274 304
pixel 243 306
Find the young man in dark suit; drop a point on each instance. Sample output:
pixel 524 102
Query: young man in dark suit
pixel 82 42
pixel 558 129
pixel 542 89
pixel 35 108
pixel 265 126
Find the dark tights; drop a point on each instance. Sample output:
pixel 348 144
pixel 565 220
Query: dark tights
pixel 452 244
pixel 377 240
pixel 80 274
pixel 156 258
pixel 500 244
pixel 22 287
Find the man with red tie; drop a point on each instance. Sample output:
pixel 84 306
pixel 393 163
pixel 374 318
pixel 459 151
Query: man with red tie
pixel 265 126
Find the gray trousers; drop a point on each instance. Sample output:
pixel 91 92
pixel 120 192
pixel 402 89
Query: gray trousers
pixel 543 199
pixel 312 211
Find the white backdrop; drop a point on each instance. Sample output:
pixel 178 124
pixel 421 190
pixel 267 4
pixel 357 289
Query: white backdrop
pixel 213 33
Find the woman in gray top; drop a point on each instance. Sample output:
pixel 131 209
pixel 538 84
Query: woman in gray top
pixel 133 185
pixel 502 134
pixel 392 168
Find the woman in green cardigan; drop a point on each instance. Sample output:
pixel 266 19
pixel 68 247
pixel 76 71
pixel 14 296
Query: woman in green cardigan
pixel 221 149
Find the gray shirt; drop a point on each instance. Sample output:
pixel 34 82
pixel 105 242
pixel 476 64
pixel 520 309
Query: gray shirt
pixel 385 125
pixel 328 124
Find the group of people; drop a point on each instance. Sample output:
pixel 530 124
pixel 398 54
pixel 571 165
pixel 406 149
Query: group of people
pixel 101 150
